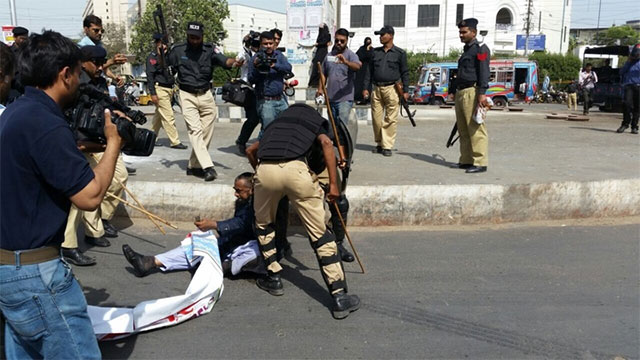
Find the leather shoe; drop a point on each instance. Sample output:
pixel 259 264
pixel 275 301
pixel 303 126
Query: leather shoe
pixel 197 172
pixel 345 255
pixel 476 169
pixel 210 174
pixel 386 152
pixel 271 283
pixel 130 170
pixel 179 146
pixel 109 230
pixel 75 257
pixel 377 150
pixel 242 148
pixel 141 264
pixel 343 304
pixel 99 242
pixel 622 128
pixel 634 131
pixel 460 166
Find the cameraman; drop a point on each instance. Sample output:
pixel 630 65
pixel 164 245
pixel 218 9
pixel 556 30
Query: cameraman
pixel 96 223
pixel 250 45
pixel 267 70
pixel 42 174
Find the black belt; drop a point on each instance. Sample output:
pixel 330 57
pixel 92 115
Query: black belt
pixel 271 97
pixel 465 86
pixel 387 83
pixel 194 90
pixel 30 256
pixel 166 85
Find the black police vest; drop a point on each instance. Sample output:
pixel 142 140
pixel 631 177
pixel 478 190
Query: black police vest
pixel 292 135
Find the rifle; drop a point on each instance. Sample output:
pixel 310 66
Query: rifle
pixel 403 102
pixel 161 28
pixel 451 140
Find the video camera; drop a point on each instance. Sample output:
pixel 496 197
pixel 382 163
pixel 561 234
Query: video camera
pixel 252 40
pixel 265 61
pixel 87 118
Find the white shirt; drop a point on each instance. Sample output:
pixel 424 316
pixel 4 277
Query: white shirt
pixel 588 80
pixel 245 55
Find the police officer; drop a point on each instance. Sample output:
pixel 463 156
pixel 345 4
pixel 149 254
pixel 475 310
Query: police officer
pixel 388 66
pixel 630 74
pixel 194 62
pixel 294 148
pixel 469 92
pixel 20 36
pixel 160 84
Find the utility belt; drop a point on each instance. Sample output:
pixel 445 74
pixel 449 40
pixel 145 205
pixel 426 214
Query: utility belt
pixel 165 85
pixel 465 86
pixel 383 83
pixel 302 158
pixel 194 90
pixel 29 257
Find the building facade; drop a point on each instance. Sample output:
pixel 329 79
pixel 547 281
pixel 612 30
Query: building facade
pixel 243 19
pixel 430 25
pixel 585 36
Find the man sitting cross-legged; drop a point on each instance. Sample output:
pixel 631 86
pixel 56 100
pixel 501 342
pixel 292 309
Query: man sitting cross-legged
pixel 237 240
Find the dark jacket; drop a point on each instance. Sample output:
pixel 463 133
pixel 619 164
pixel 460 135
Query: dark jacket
pixel 157 73
pixel 238 230
pixel 473 68
pixel 388 67
pixel 271 84
pixel 195 66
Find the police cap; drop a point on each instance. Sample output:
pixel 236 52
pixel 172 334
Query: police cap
pixel 19 30
pixel 195 28
pixel 471 23
pixel 91 52
pixel 157 36
pixel 387 29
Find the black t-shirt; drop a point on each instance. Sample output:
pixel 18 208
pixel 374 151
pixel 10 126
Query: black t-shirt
pixel 41 169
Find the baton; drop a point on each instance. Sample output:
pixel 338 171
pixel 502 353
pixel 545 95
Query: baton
pixel 333 123
pixel 344 226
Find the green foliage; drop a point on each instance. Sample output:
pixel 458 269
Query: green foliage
pixel 113 39
pixel 618 35
pixel 558 67
pixel 177 14
pixel 220 75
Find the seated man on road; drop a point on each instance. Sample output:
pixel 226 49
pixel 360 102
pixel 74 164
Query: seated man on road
pixel 237 240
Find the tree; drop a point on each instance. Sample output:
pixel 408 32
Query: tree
pixel 113 39
pixel 177 14
pixel 618 35
pixel 558 67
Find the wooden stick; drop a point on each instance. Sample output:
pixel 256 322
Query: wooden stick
pixel 142 210
pixel 130 193
pixel 344 226
pixel 323 86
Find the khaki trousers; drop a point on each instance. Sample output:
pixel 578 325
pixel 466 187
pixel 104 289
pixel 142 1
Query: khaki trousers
pixel 200 112
pixel 92 220
pixel 164 115
pixel 572 99
pixel 474 140
pixel 273 181
pixel 385 105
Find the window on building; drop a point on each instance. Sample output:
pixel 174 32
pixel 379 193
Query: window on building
pixel 394 15
pixel 428 15
pixel 360 16
pixel 459 13
pixel 504 17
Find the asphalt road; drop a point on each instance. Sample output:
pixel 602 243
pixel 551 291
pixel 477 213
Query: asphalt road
pixel 512 292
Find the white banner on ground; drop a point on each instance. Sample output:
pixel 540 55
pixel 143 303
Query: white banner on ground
pixel 205 289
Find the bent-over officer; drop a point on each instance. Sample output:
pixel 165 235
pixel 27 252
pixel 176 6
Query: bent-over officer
pixel 388 66
pixel 294 148
pixel 160 83
pixel 194 62
pixel 469 91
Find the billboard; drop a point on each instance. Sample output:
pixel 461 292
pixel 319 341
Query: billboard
pixel 536 42
pixel 7 34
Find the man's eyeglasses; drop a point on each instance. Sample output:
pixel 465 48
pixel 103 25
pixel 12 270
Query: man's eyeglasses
pixel 98 30
pixel 339 41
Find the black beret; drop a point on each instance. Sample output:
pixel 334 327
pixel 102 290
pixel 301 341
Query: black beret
pixel 19 30
pixel 471 23
pixel 90 52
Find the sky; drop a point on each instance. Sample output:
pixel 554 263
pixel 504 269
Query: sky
pixel 66 16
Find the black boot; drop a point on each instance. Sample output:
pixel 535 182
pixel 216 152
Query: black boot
pixel 345 255
pixel 622 128
pixel 75 257
pixel 634 130
pixel 271 283
pixel 109 230
pixel 100 241
pixel 141 264
pixel 343 304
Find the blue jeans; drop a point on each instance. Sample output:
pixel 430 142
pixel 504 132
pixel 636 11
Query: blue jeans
pixel 46 313
pixel 269 110
pixel 341 110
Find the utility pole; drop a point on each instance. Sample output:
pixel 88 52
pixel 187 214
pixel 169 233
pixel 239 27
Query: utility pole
pixel 527 28
pixel 14 17
pixel 563 30
pixel 598 26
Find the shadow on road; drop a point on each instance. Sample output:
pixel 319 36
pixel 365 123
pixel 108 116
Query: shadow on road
pixel 435 159
pixel 593 129
pixel 118 349
pixel 306 284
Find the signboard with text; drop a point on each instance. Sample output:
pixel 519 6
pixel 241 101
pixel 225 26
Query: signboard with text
pixel 536 42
